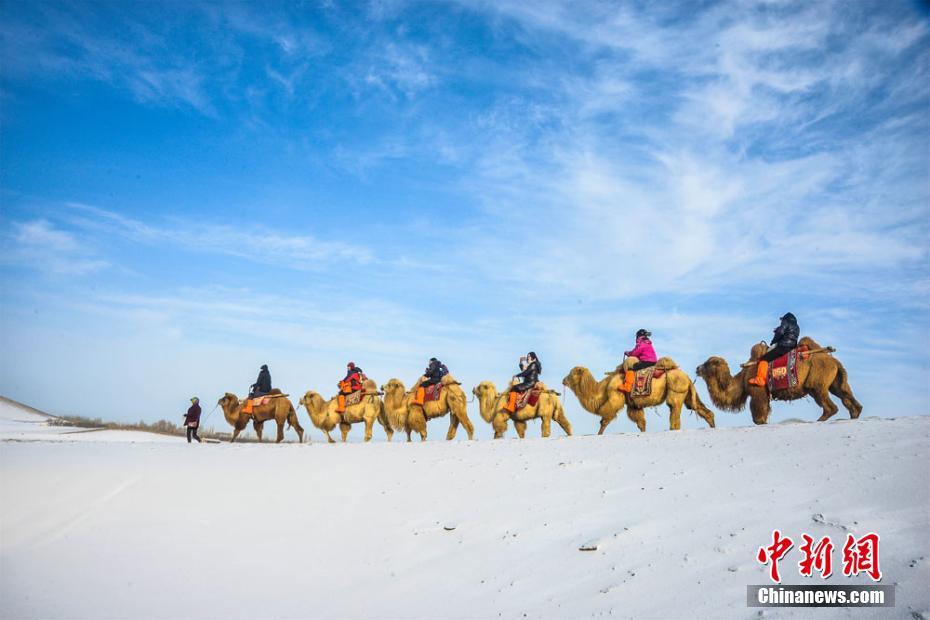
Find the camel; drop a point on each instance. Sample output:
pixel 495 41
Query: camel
pixel 491 405
pixel 403 414
pixel 278 409
pixel 324 416
pixel 604 398
pixel 818 376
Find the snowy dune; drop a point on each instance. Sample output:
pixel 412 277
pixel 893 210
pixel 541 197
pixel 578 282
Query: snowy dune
pixel 21 423
pixel 456 530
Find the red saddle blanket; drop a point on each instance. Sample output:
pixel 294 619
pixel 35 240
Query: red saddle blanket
pixel 432 392
pixel 783 371
pixel 528 398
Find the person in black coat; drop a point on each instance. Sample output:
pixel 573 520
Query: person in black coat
pixel 434 373
pixel 785 337
pixel 262 385
pixel 192 420
pixel 530 369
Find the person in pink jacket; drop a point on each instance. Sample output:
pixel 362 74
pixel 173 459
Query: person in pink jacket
pixel 643 352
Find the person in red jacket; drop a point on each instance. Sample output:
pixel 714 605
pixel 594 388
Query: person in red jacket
pixel 352 383
pixel 192 420
pixel 643 352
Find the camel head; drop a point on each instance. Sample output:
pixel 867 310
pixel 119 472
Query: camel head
pixel 575 377
pixel 311 400
pixel 726 391
pixel 393 386
pixel 486 393
pixel 228 401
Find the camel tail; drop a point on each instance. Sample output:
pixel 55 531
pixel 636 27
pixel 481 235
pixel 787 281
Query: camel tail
pixel 694 403
pixel 383 418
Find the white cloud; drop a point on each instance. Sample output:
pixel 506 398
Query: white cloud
pixel 249 242
pixel 38 244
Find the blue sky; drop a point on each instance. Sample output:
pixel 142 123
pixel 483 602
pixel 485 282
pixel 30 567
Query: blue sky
pixel 189 191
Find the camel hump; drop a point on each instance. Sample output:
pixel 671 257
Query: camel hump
pixel 666 363
pixel 274 392
pixel 449 380
pixel 808 342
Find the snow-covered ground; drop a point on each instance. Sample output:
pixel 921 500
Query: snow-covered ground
pixel 456 530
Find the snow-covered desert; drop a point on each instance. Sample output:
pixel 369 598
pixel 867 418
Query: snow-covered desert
pixel 113 525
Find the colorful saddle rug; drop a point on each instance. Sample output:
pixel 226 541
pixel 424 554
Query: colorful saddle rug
pixel 432 392
pixel 261 400
pixel 528 398
pixel 642 381
pixel 355 397
pixel 783 371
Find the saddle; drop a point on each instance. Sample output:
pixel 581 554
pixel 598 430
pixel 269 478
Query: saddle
pixel 642 381
pixel 355 397
pixel 250 403
pixel 528 398
pixel 783 371
pixel 432 392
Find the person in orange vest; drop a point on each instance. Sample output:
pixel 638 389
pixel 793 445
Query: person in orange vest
pixel 530 369
pixel 352 383
pixel 434 373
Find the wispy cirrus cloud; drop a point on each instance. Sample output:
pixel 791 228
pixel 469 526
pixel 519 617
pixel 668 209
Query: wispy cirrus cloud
pixel 248 241
pixel 39 244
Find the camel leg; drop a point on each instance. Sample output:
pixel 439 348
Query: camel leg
pixel 840 388
pixel 605 420
pixel 520 426
pixel 369 424
pixel 637 416
pixel 235 434
pixel 564 423
pixel 408 435
pixel 329 437
pixel 499 424
pixel 258 426
pixel 469 427
pixel 546 425
pixel 389 432
pixel 345 428
pixel 280 436
pixel 822 398
pixel 760 408
pixel 292 420
pixel 674 414
pixel 453 426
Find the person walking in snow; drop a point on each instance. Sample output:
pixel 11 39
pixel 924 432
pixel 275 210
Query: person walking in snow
pixel 192 420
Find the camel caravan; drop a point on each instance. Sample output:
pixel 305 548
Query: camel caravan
pixel 788 368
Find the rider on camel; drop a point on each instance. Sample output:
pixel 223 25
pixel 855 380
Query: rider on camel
pixel 530 368
pixel 784 339
pixel 434 373
pixel 352 383
pixel 261 387
pixel 645 355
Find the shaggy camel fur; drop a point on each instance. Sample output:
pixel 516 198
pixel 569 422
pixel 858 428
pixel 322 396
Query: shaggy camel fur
pixel 818 377
pixel 278 409
pixel 603 398
pixel 403 414
pixel 324 416
pixel 491 405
